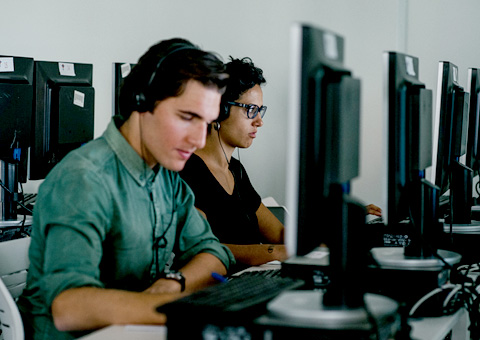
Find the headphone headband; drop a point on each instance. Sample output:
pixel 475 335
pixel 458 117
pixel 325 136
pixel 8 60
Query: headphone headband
pixel 141 101
pixel 172 51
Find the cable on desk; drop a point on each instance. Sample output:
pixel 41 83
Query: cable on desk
pixel 22 232
pixel 471 297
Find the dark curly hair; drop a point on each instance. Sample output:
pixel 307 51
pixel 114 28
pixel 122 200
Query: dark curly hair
pixel 163 71
pixel 243 75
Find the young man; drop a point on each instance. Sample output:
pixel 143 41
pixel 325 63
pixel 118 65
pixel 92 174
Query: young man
pixel 109 217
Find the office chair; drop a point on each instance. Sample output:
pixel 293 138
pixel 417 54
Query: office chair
pixel 13 276
pixel 11 326
pixel 278 210
pixel 14 264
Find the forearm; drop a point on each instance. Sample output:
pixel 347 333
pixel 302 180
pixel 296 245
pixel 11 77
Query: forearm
pixel 257 254
pixel 91 308
pixel 198 271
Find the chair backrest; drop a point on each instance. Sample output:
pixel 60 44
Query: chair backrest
pixel 14 263
pixel 11 326
pixel 280 212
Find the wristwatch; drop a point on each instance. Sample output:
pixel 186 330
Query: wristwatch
pixel 177 276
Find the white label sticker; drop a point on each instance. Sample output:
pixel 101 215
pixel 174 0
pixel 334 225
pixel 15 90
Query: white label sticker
pixel 330 44
pixel 410 66
pixel 455 74
pixel 6 64
pixel 66 69
pixel 78 98
pixel 125 68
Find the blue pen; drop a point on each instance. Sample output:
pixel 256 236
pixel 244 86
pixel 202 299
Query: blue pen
pixel 219 278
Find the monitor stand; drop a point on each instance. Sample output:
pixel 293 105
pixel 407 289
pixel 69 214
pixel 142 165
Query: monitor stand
pixel 306 309
pixel 10 224
pixel 343 306
pixel 462 228
pixel 395 258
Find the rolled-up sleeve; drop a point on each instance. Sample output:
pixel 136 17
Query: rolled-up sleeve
pixel 73 237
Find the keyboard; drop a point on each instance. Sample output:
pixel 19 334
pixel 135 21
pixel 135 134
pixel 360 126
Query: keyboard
pixel 248 295
pixel 377 220
pixel 263 273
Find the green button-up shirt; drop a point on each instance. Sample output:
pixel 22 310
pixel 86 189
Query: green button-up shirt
pixel 104 219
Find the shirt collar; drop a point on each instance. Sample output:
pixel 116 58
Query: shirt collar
pixel 130 159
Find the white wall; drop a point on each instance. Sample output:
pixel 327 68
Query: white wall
pixel 103 32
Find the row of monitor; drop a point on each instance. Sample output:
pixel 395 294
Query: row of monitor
pixel 49 108
pixel 323 158
pixel 46 110
pixel 324 146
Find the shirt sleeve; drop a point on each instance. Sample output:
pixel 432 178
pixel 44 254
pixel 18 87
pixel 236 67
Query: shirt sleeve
pixel 73 240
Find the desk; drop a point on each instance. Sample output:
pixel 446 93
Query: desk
pixel 438 328
pixel 128 332
pixel 422 329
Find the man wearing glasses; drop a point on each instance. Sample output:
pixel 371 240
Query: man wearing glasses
pixel 223 192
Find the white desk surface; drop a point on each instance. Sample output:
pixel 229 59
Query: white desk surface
pixel 137 332
pixel 438 328
pixel 422 329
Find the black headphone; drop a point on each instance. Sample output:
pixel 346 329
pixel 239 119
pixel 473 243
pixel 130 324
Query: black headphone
pixel 141 102
pixel 224 112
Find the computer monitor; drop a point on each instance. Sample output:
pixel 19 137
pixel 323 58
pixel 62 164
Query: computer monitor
pixel 16 107
pixel 412 201
pixel 64 113
pixel 120 71
pixel 451 121
pixel 472 159
pixel 324 157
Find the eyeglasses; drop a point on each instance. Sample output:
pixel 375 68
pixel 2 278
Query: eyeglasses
pixel 252 109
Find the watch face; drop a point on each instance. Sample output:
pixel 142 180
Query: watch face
pixel 174 275
pixel 177 276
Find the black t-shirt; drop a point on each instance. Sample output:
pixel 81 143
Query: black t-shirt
pixel 232 217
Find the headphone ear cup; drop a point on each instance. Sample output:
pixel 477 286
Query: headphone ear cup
pixel 223 113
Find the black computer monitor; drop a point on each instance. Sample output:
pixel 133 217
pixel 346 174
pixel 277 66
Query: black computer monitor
pixel 412 201
pixel 16 107
pixel 64 113
pixel 451 121
pixel 120 71
pixel 324 158
pixel 472 159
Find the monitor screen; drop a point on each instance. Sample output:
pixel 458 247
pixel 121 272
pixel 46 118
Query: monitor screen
pixel 412 201
pixel 16 107
pixel 323 158
pixel 450 143
pixel 64 113
pixel 472 159
pixel 120 71
pixel 324 137
pixel 408 106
